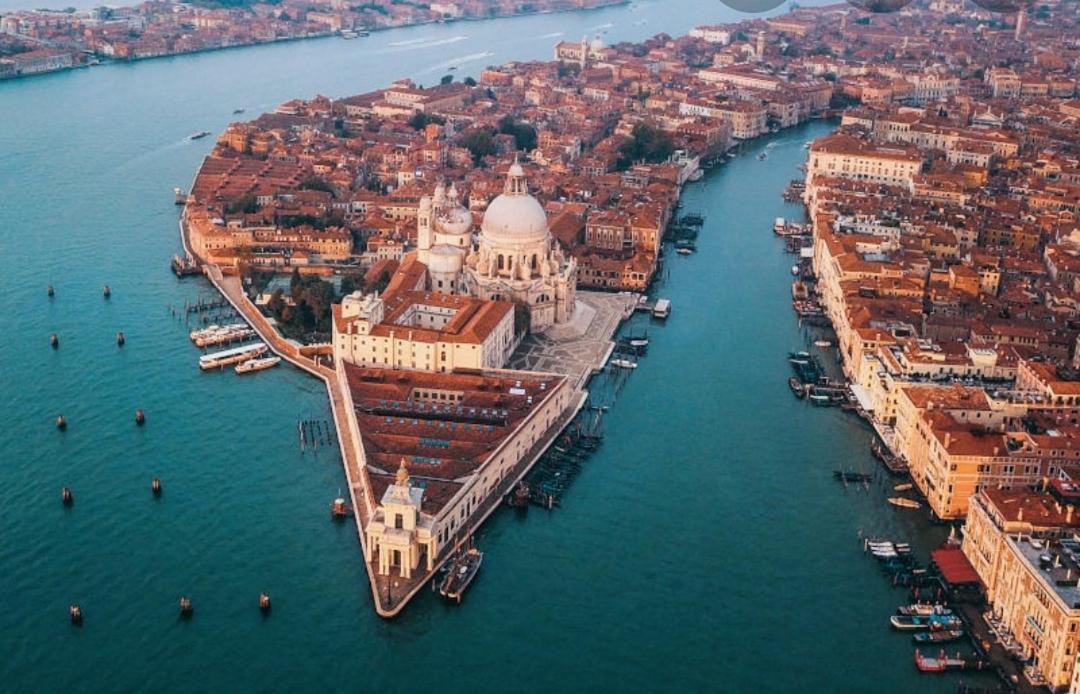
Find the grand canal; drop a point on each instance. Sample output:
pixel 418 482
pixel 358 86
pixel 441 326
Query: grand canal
pixel 705 546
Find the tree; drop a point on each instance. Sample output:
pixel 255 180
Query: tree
pixel 522 318
pixel 646 143
pixel 524 134
pixel 420 120
pixel 480 143
pixel 446 79
pixel 247 204
pixel 315 183
pixel 469 82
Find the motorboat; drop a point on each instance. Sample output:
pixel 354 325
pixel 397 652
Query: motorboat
pixel 901 502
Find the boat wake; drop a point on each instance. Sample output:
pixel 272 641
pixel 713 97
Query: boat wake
pixel 598 27
pixel 410 41
pixel 472 57
pixel 552 35
pixel 413 45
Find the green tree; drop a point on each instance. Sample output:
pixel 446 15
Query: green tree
pixel 446 79
pixel 647 143
pixel 480 143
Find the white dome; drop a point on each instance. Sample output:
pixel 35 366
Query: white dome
pixel 456 221
pixel 445 259
pixel 514 219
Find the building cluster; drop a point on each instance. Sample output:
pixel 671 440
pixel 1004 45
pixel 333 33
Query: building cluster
pixel 946 254
pixel 36 41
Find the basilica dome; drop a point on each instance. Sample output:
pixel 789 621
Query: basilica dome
pixel 515 217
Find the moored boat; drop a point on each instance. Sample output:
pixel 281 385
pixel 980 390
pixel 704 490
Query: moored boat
pixel 623 363
pixel 232 356
pixel 901 502
pixel 903 487
pixel 252 365
pixel 462 572
pixel 943 636
pixel 923 609
pixel 923 622
pixel 797 387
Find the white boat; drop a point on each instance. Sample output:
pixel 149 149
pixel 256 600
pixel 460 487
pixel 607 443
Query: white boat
pixel 232 356
pixel 684 251
pixel 623 363
pixel 795 270
pixel 251 365
pixel 697 175
pixel 901 502
pixel 778 224
pixel 824 344
pixel 662 309
pixel 902 487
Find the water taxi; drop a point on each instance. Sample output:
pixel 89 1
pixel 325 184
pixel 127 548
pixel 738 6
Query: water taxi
pixel 662 309
pixel 623 364
pixel 923 623
pixel 252 365
pixel 943 636
pixel 462 572
pixel 922 609
pixel 231 356
pixel 901 502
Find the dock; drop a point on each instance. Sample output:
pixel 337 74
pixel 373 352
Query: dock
pixel 184 266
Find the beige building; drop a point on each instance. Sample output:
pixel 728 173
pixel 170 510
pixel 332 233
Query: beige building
pixel 850 157
pixel 430 331
pixel 1024 548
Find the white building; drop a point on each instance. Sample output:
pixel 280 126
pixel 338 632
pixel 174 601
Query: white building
pixel 518 260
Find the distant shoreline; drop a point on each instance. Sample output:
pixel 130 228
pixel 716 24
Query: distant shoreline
pixel 103 61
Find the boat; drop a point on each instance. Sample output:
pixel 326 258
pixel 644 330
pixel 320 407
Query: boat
pixel 820 400
pixel 199 135
pixel 696 176
pixel 852 476
pixel 623 363
pixel 762 156
pixel 339 508
pixel 797 387
pixel 662 309
pixel 519 498
pixel 924 622
pixel 942 662
pixel 252 365
pixel 903 487
pixel 795 270
pixel 179 197
pixel 461 574
pixel 824 344
pixel 901 502
pixel 922 609
pixel 684 251
pixel 237 111
pixel 347 34
pixel 232 356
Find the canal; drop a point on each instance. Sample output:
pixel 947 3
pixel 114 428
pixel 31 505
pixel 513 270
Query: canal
pixel 705 546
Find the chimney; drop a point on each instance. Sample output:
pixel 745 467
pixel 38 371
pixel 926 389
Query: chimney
pixel 1068 513
pixel 1020 515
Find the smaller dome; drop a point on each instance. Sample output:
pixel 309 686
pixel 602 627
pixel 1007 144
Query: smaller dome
pixel 455 221
pixel 445 259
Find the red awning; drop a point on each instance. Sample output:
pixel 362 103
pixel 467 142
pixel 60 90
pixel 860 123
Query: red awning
pixel 954 566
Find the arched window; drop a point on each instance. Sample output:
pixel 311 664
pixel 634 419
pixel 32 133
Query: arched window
pixel 501 261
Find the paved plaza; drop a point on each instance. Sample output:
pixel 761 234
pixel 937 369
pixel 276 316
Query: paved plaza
pixel 581 346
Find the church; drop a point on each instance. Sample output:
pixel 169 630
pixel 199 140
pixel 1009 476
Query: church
pixel 516 258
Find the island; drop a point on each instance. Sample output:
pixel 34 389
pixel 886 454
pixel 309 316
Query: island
pixel 34 42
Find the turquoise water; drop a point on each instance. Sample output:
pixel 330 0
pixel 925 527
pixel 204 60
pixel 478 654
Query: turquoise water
pixel 705 547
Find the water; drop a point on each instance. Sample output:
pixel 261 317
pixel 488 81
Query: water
pixel 728 560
